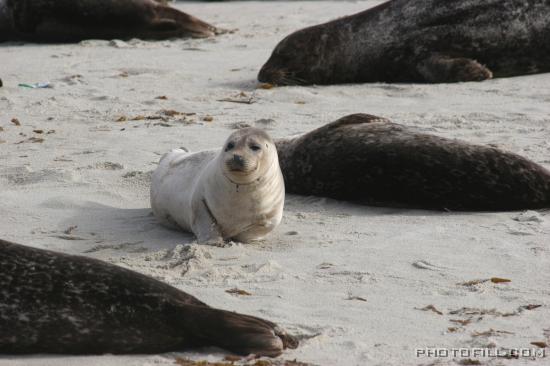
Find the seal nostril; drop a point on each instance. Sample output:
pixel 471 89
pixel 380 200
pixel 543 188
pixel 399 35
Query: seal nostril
pixel 265 75
pixel 238 159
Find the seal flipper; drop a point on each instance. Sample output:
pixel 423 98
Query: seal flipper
pixel 164 25
pixel 204 224
pixel 184 23
pixel 239 333
pixel 444 69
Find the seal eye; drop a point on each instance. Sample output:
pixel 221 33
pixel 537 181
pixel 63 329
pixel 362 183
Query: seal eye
pixel 229 146
pixel 255 147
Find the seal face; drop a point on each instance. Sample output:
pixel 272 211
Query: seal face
pixel 75 20
pixel 235 193
pixel 432 41
pixel 370 160
pixel 57 303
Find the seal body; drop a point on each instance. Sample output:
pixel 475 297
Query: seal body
pixel 370 160
pixel 75 20
pixel 433 41
pixel 236 193
pixel 57 303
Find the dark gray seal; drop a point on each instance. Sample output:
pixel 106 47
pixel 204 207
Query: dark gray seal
pixel 58 303
pixel 76 20
pixel 370 160
pixel 431 41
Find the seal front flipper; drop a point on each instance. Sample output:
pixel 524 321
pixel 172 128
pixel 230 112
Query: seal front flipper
pixel 204 224
pixel 444 69
pixel 242 334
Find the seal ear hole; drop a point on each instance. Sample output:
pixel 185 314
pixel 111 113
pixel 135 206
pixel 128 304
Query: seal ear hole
pixel 230 146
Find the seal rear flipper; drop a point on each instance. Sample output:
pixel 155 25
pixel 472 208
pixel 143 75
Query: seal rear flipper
pixel 444 69
pixel 238 333
pixel 164 25
pixel 356 119
pixel 184 23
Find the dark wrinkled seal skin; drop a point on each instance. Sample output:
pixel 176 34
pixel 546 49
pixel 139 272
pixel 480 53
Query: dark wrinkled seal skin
pixel 63 304
pixel 76 20
pixel 370 160
pixel 426 41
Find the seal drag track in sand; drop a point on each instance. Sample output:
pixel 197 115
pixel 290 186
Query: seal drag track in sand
pixel 368 159
pixel 236 193
pixel 57 303
pixel 75 20
pixel 433 41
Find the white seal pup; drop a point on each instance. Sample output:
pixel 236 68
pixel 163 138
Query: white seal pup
pixel 236 193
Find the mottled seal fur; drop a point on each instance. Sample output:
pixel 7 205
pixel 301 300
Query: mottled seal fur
pixel 75 20
pixel 432 41
pixel 236 192
pixel 368 159
pixel 64 304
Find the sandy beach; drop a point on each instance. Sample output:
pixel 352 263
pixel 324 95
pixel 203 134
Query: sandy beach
pixel 358 285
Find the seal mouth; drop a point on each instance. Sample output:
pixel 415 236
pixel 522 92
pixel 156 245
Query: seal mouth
pixel 240 166
pixel 276 76
pixel 240 175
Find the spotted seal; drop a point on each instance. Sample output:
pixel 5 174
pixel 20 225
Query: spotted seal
pixel 426 41
pixel 368 159
pixel 75 20
pixel 58 303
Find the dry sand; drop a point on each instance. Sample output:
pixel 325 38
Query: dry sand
pixel 84 190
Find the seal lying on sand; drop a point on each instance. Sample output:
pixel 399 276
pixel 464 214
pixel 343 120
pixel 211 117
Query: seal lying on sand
pixel 58 303
pixel 75 20
pixel 236 193
pixel 368 159
pixel 432 41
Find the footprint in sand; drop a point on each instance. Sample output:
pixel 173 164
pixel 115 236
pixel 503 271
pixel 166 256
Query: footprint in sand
pixel 23 175
pixel 528 223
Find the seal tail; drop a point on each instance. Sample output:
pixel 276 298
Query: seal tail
pixel 238 333
pixel 186 24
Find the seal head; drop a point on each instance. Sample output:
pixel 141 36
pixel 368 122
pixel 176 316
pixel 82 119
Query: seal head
pixel 246 156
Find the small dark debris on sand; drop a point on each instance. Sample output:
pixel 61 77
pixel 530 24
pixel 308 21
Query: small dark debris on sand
pixel 242 98
pixel 231 362
pixel 164 115
pixel 236 291
pixel 430 308
pixel 31 140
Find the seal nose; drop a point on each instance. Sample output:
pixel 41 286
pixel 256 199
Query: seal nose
pixel 238 160
pixel 267 74
pixel 263 75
